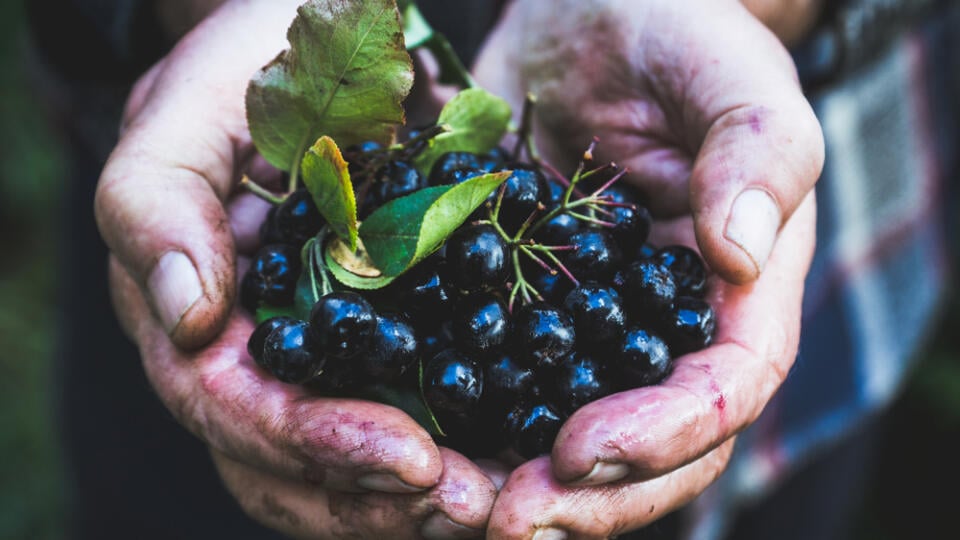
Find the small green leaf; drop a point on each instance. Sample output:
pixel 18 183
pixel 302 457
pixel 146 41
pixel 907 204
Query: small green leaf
pixel 345 75
pixel 265 312
pixel 352 279
pixel 416 29
pixel 404 231
pixel 477 120
pixel 326 177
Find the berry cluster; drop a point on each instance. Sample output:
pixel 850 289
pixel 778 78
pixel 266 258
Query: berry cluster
pixel 547 298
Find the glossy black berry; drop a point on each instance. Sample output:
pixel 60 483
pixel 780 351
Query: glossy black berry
pixel 554 193
pixel 259 336
pixel 522 191
pixel 558 231
pixel 597 313
pixel 393 348
pixel 297 217
pixel 343 323
pixel 452 383
pixel 271 278
pixel 532 429
pixel 394 180
pixel 649 290
pixel 477 257
pixel 290 353
pixel 434 338
pixel 505 382
pixel 553 287
pixel 544 334
pixel 631 223
pixel 643 359
pixel 449 166
pixel 687 268
pixel 425 297
pixel 494 160
pixel 577 380
pixel 690 326
pixel 481 323
pixel 596 256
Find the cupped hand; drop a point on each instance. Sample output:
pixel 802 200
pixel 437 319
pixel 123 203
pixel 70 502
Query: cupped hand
pixel 701 103
pixel 168 208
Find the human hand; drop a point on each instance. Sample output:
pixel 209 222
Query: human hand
pixel 701 103
pixel 168 209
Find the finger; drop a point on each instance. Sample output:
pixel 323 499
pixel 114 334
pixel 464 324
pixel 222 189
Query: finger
pixel 220 395
pixel 533 502
pixel 762 151
pixel 457 507
pixel 159 198
pixel 712 394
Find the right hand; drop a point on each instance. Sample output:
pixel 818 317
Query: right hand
pixel 308 466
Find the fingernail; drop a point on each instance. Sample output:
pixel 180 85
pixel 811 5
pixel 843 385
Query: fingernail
pixel 174 286
pixel 603 473
pixel 440 527
pixel 386 483
pixel 549 533
pixel 753 224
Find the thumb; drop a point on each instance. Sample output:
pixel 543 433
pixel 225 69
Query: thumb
pixel 159 202
pixel 762 151
pixel 164 220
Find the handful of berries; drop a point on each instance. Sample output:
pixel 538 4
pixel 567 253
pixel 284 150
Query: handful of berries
pixel 546 298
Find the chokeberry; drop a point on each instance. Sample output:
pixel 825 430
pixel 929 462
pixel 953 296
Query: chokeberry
pixel 505 382
pixel 449 167
pixel 689 326
pixel 687 268
pixel 259 336
pixel 290 353
pixel 559 230
pixel 631 223
pixel 343 323
pixel 595 255
pixel 578 380
pixel 394 180
pixel 597 313
pixel 552 287
pixel 481 323
pixel 477 257
pixel 271 278
pixel 522 191
pixel 544 333
pixel 297 217
pixel 452 383
pixel 532 428
pixel 649 290
pixel 393 348
pixel 643 359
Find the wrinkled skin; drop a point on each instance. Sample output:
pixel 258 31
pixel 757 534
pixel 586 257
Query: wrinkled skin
pixel 700 102
pixel 696 98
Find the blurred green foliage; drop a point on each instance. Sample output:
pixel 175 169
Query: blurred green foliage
pixel 31 165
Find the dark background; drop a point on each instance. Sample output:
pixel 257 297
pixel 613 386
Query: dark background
pixel 911 496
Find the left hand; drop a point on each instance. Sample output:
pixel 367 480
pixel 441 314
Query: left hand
pixel 701 103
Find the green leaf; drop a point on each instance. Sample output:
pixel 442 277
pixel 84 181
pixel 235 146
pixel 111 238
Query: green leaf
pixel 345 75
pixel 364 281
pixel 326 177
pixel 416 29
pixel 309 284
pixel 404 231
pixel 477 121
pixel 265 312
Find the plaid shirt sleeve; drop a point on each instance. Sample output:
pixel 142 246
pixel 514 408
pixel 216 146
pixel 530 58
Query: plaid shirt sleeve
pixel 880 268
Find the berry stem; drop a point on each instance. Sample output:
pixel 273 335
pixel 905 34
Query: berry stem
pixel 259 191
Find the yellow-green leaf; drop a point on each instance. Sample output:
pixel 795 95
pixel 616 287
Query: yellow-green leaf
pixel 326 177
